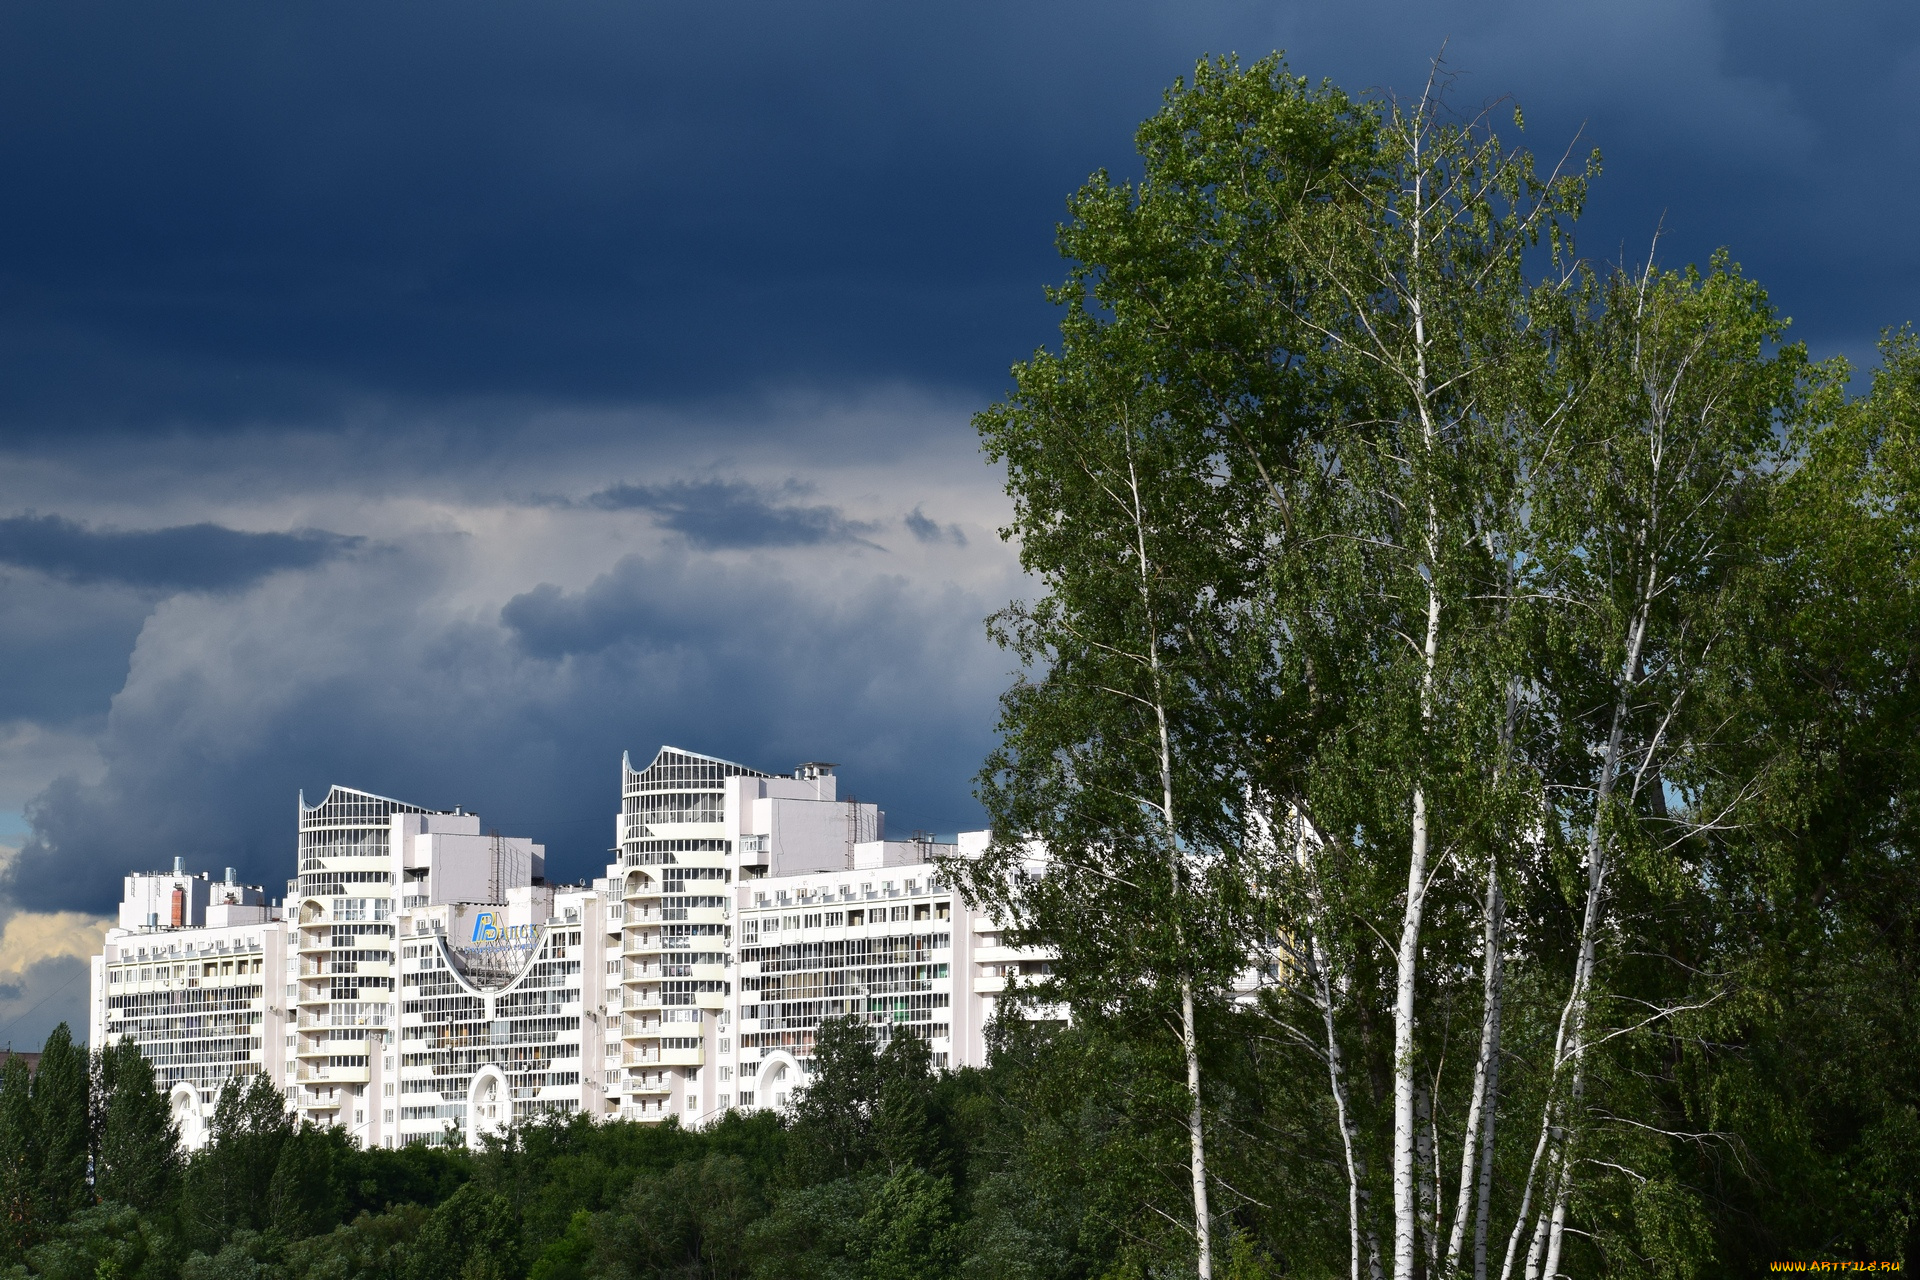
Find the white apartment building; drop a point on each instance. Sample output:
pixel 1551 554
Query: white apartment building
pixel 423 982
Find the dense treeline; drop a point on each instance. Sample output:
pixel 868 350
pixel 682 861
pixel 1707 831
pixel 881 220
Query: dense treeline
pixel 882 1169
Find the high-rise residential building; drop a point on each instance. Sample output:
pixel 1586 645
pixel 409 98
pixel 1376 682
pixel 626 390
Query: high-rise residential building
pixel 422 981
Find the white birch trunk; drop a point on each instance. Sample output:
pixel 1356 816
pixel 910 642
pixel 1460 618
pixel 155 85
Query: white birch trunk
pixel 1427 1155
pixel 1336 1078
pixel 1189 1032
pixel 1526 1193
pixel 1483 1211
pixel 1408 959
pixel 1336 1062
pixel 1202 1226
pixel 1557 1182
pixel 1556 1230
pixel 1483 1105
pixel 1568 1040
pixel 1404 1121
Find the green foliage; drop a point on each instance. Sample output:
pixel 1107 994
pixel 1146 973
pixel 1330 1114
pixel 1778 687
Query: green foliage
pixel 138 1161
pixel 306 1197
pixel 371 1247
pixel 107 1242
pixel 62 1106
pixel 1412 574
pixel 229 1182
pixel 690 1220
pixel 472 1235
pixel 19 1216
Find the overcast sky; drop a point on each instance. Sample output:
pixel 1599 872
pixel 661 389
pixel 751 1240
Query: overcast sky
pixel 441 399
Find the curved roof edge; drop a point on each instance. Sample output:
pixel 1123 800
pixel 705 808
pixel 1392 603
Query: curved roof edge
pixel 335 788
pixel 696 755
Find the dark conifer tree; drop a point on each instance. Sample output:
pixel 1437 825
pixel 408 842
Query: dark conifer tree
pixel 62 1112
pixel 139 1145
pixel 304 1198
pixel 17 1160
pixel 229 1180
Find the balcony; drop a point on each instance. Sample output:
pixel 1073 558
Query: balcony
pixel 334 1075
pixel 1002 955
pixel 683 1057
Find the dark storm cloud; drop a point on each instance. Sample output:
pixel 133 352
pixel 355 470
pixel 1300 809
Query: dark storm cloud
pixel 234 213
pixel 229 213
pixel 63 650
pixel 194 557
pixel 714 514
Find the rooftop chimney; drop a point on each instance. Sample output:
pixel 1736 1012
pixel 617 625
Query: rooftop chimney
pixel 179 866
pixel 232 876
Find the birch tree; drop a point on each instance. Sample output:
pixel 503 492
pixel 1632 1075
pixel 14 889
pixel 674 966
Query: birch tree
pixel 1432 397
pixel 1647 519
pixel 1110 753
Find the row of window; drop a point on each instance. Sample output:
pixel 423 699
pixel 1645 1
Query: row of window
pixel 185 1001
pixel 656 853
pixel 191 969
pixel 526 1003
pixel 347 935
pixel 880 980
pixel 445 1008
pixel 324 884
pixel 847 952
pixel 675 806
pixel 883 1009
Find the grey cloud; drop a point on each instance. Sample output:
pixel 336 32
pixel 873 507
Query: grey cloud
pixel 927 530
pixel 63 649
pixel 367 673
pixel 730 514
pixel 46 994
pixel 194 557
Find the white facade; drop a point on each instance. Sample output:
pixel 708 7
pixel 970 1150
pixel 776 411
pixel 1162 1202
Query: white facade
pixel 198 1000
pixel 423 982
pixel 753 906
